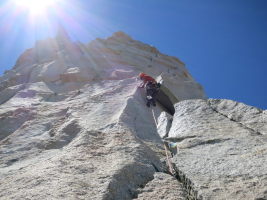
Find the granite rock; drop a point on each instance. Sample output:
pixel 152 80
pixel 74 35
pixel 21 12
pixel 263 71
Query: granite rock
pixel 222 148
pixel 164 124
pixel 74 124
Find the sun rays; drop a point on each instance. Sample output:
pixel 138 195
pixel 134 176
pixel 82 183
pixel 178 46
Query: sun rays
pixel 24 22
pixel 35 7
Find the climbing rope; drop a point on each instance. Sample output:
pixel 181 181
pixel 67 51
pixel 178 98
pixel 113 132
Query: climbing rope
pixel 171 169
pixel 154 117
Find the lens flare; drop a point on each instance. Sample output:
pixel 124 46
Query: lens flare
pixel 35 7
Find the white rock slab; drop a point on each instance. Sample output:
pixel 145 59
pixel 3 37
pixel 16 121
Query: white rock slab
pixel 221 154
pixel 164 124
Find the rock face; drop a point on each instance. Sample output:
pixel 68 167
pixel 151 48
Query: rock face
pixel 163 186
pixel 222 148
pixel 164 124
pixel 116 58
pixel 74 125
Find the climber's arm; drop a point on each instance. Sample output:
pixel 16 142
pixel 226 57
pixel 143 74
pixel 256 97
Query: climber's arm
pixel 142 85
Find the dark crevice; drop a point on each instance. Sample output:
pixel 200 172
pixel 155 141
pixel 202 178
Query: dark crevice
pixel 214 141
pixel 180 139
pixel 155 167
pixel 254 132
pixel 176 176
pixel 11 162
pixel 191 192
pixel 165 102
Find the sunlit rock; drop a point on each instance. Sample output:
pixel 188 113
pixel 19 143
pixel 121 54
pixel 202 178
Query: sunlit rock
pixel 74 125
pixel 222 148
pixel 164 124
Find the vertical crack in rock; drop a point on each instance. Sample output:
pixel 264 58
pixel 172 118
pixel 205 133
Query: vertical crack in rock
pixel 163 186
pixel 81 153
pixel 191 191
pixel 184 188
pixel 181 187
pixel 226 158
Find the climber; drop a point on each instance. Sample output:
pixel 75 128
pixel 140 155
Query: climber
pixel 151 86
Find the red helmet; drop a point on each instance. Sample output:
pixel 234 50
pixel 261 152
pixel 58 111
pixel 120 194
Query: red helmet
pixel 142 75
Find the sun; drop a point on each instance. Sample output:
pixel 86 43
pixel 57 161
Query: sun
pixel 35 7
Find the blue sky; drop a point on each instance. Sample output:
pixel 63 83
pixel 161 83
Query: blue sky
pixel 222 42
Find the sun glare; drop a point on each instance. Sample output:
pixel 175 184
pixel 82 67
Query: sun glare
pixel 35 7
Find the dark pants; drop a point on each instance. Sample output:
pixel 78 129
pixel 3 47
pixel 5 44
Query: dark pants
pixel 151 93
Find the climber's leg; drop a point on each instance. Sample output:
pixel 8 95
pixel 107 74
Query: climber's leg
pixel 149 97
pixel 153 102
pixel 153 95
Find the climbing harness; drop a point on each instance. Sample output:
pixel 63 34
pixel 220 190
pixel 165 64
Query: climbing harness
pixel 171 169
